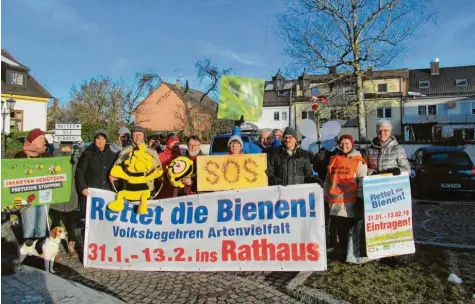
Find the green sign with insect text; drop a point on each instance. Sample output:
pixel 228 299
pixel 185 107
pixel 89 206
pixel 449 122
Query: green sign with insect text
pixel 241 96
pixel 35 181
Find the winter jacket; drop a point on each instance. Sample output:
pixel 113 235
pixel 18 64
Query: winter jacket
pixel 166 157
pixel 347 209
pixel 93 168
pixel 73 200
pixel 321 160
pixel 386 156
pixel 283 169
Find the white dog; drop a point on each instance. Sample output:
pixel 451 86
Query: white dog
pixel 50 248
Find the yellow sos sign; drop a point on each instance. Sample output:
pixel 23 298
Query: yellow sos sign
pixel 229 172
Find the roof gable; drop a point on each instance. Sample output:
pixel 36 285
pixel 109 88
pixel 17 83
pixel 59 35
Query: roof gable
pixel 31 88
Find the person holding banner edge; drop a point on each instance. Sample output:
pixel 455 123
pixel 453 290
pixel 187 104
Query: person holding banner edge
pixel 343 189
pixel 93 168
pixel 34 218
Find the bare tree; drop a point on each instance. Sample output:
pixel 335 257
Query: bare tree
pixel 350 35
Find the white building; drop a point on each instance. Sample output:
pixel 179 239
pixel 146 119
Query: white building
pixel 442 103
pixel 31 98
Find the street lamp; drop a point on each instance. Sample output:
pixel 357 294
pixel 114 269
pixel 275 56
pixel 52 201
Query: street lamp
pixel 7 108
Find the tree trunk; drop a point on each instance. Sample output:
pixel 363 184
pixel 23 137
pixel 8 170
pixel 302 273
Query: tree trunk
pixel 360 101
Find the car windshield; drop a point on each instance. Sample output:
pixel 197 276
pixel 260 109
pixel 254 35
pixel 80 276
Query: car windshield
pixel 447 159
pixel 220 144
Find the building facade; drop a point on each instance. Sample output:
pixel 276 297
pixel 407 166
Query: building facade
pixel 440 103
pixel 31 98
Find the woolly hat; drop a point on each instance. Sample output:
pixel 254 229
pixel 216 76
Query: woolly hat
pixel 290 131
pixel 100 132
pixel 349 137
pixel 172 140
pixel 34 134
pixel 123 131
pixel 234 138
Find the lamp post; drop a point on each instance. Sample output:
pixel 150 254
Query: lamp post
pixel 7 108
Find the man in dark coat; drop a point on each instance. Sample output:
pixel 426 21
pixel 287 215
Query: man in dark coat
pixel 289 164
pixel 194 150
pixel 93 168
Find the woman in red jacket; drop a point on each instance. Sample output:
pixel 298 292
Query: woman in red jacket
pixel 172 151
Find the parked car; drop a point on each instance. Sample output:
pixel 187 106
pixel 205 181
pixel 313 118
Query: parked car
pixel 219 143
pixel 442 169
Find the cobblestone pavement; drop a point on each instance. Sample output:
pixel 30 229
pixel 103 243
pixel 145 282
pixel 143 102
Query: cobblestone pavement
pixel 451 224
pixel 180 287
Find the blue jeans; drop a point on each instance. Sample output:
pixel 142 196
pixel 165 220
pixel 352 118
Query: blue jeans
pixel 33 221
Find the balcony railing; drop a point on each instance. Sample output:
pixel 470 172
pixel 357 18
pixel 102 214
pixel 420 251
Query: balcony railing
pixel 444 118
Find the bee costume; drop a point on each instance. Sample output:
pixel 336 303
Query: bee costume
pixel 138 168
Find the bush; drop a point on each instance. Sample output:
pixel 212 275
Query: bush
pixel 14 141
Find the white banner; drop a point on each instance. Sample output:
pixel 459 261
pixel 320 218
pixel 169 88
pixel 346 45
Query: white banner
pixel 388 216
pixel 265 229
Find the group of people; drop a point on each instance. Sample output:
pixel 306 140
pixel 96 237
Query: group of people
pixel 340 172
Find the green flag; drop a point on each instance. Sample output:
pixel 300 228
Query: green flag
pixel 241 96
pixel 36 181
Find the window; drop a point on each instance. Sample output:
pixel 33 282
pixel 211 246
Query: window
pixel 422 110
pixel 432 109
pixel 461 82
pixel 448 159
pixel 284 115
pixel 384 113
pixel 16 121
pixel 276 116
pixel 469 134
pixel 16 78
pixel 473 108
pixel 308 115
pixel 424 84
pixel 382 88
pixel 333 114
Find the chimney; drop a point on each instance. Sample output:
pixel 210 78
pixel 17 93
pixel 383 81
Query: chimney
pixel 178 84
pixel 434 67
pixel 332 70
pixel 369 71
pixel 55 103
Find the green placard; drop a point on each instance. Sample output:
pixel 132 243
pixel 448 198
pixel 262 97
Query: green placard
pixel 241 96
pixel 36 181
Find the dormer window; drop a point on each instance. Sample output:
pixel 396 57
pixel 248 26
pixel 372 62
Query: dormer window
pixel 424 84
pixel 461 82
pixel 16 78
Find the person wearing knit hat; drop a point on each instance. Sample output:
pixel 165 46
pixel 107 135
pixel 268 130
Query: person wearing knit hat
pixel 123 140
pixel 235 145
pixel 33 219
pixel 289 164
pixel 343 190
pixel 93 168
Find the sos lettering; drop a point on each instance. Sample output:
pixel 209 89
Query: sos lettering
pixel 231 171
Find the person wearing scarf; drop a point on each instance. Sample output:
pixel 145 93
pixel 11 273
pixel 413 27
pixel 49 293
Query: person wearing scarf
pixel 172 151
pixel 343 189
pixel 33 218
